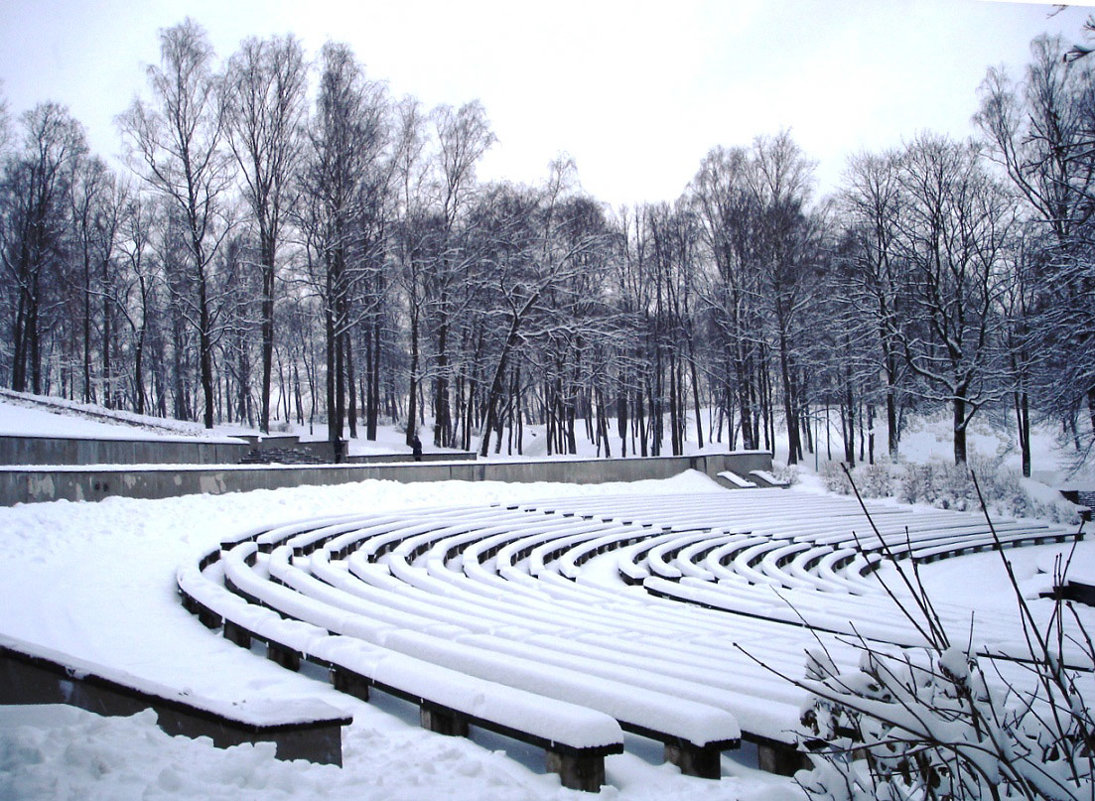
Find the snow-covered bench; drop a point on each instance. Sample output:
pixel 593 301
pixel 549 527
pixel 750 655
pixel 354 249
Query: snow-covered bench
pixel 570 562
pixel 694 733
pixel 411 548
pixel 501 593
pixel 662 558
pixel 836 569
pixel 987 540
pixel 575 739
pixel 468 575
pixel 304 728
pixel 734 481
pixel 455 572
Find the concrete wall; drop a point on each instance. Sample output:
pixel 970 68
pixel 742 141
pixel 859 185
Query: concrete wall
pixel 58 451
pixel 29 485
pixel 388 458
pixel 87 451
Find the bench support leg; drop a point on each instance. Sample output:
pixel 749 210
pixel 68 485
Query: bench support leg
pixel 207 617
pixel 237 634
pixel 781 759
pixel 585 773
pixel 350 683
pixel 443 721
pixel 283 656
pixel 695 760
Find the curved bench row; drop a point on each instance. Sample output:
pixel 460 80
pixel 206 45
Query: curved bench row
pixel 474 600
pixel 804 568
pixel 575 738
pixel 694 734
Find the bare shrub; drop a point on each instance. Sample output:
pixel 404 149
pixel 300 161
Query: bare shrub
pixel 950 721
pixel 937 483
pixel 786 473
pixel 945 485
pixel 835 479
pixel 875 480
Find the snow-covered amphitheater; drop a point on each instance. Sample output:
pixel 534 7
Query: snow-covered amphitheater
pixel 565 623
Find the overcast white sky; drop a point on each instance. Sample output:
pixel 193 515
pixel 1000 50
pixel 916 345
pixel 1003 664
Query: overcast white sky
pixel 635 91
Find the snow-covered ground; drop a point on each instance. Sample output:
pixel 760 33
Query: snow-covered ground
pixel 96 580
pixel 34 416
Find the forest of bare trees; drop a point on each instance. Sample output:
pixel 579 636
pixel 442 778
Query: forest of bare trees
pixel 287 242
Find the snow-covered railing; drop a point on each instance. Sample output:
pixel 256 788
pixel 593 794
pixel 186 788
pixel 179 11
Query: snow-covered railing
pixel 766 479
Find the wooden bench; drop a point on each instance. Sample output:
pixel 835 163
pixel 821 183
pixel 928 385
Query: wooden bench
pixel 299 728
pixel 694 733
pixel 575 739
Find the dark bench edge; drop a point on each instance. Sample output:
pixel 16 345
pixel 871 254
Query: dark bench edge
pixel 425 703
pixel 317 740
pixel 578 768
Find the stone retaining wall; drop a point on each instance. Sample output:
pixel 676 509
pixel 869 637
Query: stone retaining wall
pixel 87 451
pixel 29 485
pixel 37 450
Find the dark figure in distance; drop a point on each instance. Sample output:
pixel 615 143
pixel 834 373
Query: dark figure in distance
pixel 416 448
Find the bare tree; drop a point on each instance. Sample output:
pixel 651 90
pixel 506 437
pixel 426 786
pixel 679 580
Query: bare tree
pixel 135 291
pixel 176 145
pixel 870 204
pixel 412 241
pixel 463 136
pixel 96 206
pixel 1041 130
pixel 266 108
pixel 761 241
pixel 88 180
pixel 786 238
pixel 956 229
pixel 35 192
pixel 540 249
pixel 5 122
pixel 1079 51
pixel 347 140
pixel 727 210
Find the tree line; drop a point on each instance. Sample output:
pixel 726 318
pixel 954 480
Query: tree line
pixel 283 249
